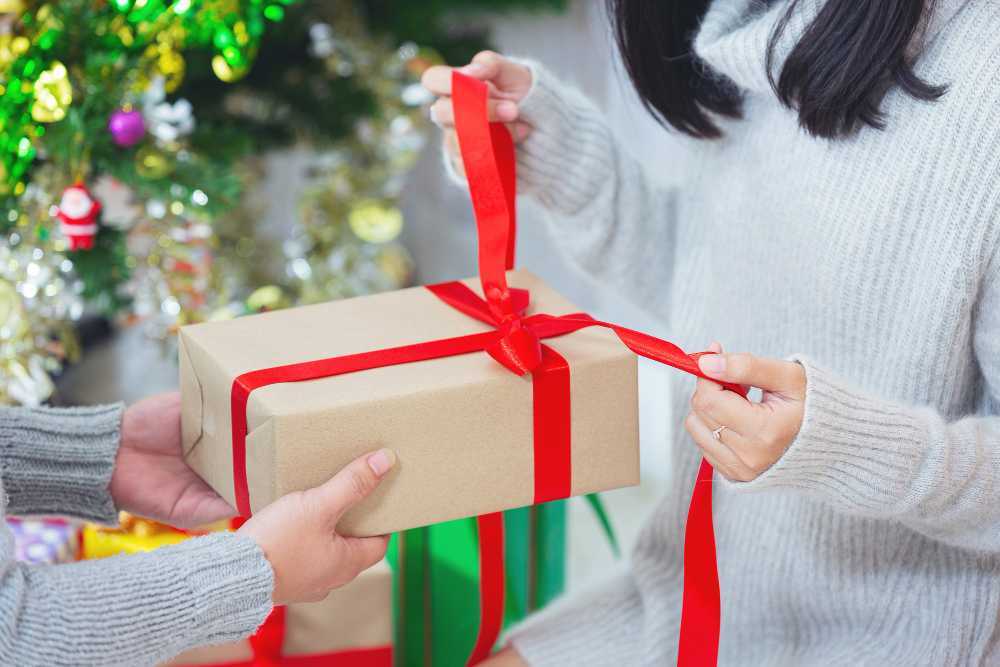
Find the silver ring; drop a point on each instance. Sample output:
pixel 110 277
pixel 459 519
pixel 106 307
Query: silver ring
pixel 717 433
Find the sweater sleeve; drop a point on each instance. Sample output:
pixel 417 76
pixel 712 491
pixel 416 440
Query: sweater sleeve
pixel 132 610
pixel 59 460
pixel 609 216
pixel 881 459
pixel 603 626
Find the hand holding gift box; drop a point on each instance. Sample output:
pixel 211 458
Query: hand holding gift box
pixel 279 402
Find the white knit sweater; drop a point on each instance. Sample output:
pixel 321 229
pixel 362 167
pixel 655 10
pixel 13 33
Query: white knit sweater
pixel 875 540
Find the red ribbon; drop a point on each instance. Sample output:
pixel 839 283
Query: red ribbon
pixel 515 342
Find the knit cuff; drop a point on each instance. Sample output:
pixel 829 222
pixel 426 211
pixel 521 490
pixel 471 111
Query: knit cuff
pixel 231 582
pixel 60 460
pixel 567 130
pixel 146 608
pixel 852 449
pixel 594 629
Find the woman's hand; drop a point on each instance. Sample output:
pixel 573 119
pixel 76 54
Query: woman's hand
pixel 298 534
pixel 508 82
pixel 755 435
pixel 151 477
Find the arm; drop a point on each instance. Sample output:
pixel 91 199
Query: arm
pixel 59 461
pixel 133 610
pixel 609 216
pixel 864 455
pixel 142 609
pixel 613 220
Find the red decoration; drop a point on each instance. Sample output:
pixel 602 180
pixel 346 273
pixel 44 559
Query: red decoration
pixel 77 213
pixel 488 155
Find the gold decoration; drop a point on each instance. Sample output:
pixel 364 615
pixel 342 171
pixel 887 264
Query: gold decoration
pixel 151 163
pixel 226 72
pixel 11 6
pixel 269 297
pixel 53 94
pixel 374 222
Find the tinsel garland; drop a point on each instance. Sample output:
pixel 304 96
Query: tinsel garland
pixel 147 117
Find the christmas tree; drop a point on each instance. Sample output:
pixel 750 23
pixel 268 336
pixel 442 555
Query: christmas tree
pixel 130 132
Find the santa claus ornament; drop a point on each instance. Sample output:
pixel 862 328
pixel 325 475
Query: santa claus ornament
pixel 77 212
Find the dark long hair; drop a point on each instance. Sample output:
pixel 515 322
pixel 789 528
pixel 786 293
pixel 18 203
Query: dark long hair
pixel 835 77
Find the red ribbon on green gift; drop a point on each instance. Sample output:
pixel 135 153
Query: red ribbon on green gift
pixel 515 342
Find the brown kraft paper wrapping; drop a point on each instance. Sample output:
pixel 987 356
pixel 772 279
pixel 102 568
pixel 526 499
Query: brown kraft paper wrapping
pixel 461 426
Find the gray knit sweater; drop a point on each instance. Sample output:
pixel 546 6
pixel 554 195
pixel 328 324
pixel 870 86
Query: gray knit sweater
pixel 875 540
pixel 127 610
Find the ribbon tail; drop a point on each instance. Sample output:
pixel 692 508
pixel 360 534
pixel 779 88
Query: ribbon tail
pixel 701 612
pixel 267 642
pixel 491 585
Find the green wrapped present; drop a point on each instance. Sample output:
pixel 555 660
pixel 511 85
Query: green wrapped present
pixel 436 577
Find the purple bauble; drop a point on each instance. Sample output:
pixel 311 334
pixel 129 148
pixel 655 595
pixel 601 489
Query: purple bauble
pixel 127 127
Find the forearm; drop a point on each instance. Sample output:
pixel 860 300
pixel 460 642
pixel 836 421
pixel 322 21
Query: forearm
pixel 609 216
pixel 134 610
pixel 880 459
pixel 59 461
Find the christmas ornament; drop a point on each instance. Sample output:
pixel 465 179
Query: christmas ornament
pixel 375 222
pixel 11 6
pixel 169 122
pixel 151 163
pixel 119 208
pixel 165 121
pixel 127 127
pixel 53 94
pixel 77 212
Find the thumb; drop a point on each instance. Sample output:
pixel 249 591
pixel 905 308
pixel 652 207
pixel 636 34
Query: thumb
pixel 355 482
pixel 746 369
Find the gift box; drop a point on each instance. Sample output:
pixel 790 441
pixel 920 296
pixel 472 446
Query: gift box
pixel 437 581
pixel 134 535
pixel 44 541
pixel 352 627
pixel 464 428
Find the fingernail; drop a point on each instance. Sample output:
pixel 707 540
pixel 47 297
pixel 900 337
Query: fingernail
pixel 712 364
pixel 381 461
pixel 474 69
pixel 506 111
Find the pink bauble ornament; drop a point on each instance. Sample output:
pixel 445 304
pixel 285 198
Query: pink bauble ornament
pixel 127 127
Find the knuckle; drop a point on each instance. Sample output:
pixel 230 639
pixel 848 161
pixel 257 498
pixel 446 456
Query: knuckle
pixel 741 364
pixel 486 57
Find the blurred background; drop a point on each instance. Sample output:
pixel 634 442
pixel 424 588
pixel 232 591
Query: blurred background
pixel 244 156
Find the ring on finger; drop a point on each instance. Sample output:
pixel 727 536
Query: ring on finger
pixel 717 433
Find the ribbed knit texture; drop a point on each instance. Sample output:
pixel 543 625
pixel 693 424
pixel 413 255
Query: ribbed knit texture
pixel 872 260
pixel 127 610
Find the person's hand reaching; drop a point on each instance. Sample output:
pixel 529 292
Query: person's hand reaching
pixel 151 477
pixel 298 533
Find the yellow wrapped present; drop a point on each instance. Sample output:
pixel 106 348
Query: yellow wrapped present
pixel 135 535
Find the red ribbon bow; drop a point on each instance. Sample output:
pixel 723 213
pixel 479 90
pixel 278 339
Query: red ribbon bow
pixel 515 342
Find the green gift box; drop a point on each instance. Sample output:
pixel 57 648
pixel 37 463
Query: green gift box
pixel 436 579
